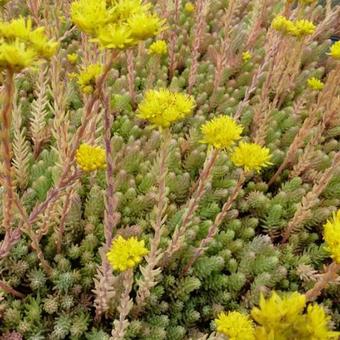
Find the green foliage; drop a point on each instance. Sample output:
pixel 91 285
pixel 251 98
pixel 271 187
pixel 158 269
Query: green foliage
pixel 243 259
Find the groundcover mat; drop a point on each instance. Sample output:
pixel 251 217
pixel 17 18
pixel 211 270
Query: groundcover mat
pixel 169 169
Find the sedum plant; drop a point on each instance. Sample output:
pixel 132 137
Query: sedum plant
pixel 169 170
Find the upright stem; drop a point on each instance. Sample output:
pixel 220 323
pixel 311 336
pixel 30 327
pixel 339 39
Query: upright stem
pixel 104 283
pixel 33 236
pixel 120 325
pixel 111 217
pixel 214 227
pixel 177 10
pixel 329 276
pixel 310 200
pixel 192 206
pixel 6 119
pixel 10 290
pixel 12 236
pixel 66 178
pixel 61 229
pixel 131 76
pixel 162 203
pixel 198 36
pixel 150 274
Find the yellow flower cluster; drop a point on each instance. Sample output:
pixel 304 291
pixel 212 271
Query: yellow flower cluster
pixel 282 24
pixel 86 79
pixel 332 236
pixel 189 7
pixel 315 84
pixel 126 253
pixel 21 46
pixel 251 156
pixel 335 50
pixel 90 158
pixel 246 56
pixel 72 58
pixel 116 24
pixel 163 107
pixel 235 325
pixel 284 318
pixel 303 28
pixel 299 28
pixel 158 47
pixel 221 132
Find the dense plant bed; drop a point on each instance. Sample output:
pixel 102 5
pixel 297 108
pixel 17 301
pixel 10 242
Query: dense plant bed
pixel 170 170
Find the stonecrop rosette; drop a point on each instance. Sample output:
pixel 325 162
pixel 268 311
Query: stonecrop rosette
pixel 221 132
pixel 116 24
pixel 163 107
pixel 22 46
pixel 126 253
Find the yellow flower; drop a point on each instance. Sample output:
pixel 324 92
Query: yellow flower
pixel 335 50
pixel 189 7
pixel 163 107
pixel 113 36
pixel 277 314
pixel 282 24
pixel 89 15
pixel 315 84
pixel 235 325
pixel 124 9
pixel 284 318
pixel 221 132
pixel 87 78
pixel 117 24
pixel 45 48
pixel 16 28
pixel 126 253
pixel 251 156
pixel 20 46
pixel 144 25
pixel 16 56
pixel 158 47
pixel 90 158
pixel 317 323
pixel 331 236
pixel 299 28
pixel 302 28
pixel 246 56
pixel 73 58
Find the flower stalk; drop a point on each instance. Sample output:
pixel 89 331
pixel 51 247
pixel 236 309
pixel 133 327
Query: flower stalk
pixel 217 222
pixel 325 279
pixel 6 119
pixel 124 308
pixel 6 288
pixel 310 200
pixel 192 205
pixel 66 179
pixel 150 274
